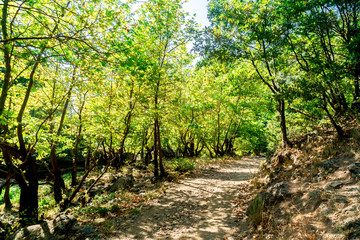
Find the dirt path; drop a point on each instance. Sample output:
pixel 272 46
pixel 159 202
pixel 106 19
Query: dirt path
pixel 198 208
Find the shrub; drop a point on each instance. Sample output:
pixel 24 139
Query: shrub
pixel 256 210
pixel 183 165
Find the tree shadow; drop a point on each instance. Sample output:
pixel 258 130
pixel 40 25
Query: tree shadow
pixel 198 208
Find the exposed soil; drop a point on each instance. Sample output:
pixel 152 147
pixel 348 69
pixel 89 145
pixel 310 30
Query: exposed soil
pixel 201 207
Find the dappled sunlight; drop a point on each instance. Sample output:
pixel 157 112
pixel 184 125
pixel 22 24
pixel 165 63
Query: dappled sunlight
pixel 198 208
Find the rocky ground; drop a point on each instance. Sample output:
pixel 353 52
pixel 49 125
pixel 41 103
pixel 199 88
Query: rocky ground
pixel 311 191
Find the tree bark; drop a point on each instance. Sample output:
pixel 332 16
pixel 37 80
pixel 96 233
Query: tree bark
pixel 59 183
pixel 156 166
pixel 7 58
pixel 76 147
pixel 284 136
pixel 7 201
pixel 58 180
pixel 339 130
pixel 87 159
pixel 161 165
pixel 75 159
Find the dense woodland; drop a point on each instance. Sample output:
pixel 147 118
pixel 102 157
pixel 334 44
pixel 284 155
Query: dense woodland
pixel 110 83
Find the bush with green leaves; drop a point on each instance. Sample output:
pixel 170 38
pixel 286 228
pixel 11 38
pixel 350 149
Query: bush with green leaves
pixel 183 165
pixel 256 210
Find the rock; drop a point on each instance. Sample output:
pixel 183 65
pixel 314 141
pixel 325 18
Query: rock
pixel 314 200
pixel 63 223
pixel 348 211
pixel 277 193
pixel 97 190
pixel 34 232
pixel 140 185
pixel 353 229
pixel 329 166
pixel 276 172
pixel 334 185
pixel 355 171
pixel 48 230
pixel 125 182
pixel 87 230
pixel 327 211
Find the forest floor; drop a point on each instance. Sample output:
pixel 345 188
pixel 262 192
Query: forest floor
pixel 200 207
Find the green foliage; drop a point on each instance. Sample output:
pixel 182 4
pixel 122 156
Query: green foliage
pixel 97 74
pixel 183 164
pixel 96 211
pixel 14 194
pixel 256 210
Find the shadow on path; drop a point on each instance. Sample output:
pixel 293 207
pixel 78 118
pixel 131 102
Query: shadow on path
pixel 199 208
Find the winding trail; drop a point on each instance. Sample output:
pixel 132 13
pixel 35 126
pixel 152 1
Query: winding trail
pixel 198 208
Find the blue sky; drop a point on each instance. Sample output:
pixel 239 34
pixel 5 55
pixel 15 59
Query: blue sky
pixel 198 7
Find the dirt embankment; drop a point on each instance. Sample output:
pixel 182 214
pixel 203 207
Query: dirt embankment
pixel 310 191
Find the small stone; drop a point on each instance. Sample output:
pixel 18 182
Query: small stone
pixel 336 185
pixel 327 211
pixel 88 230
pixel 330 165
pixel 355 170
pixel 140 185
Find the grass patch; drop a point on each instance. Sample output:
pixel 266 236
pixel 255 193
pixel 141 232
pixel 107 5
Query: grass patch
pixel 183 165
pixel 256 211
pixel 14 194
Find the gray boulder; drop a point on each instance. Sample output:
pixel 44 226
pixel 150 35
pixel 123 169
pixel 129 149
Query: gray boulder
pixel 63 223
pixel 125 182
pixel 48 230
pixel 353 229
pixel 278 192
pixel 355 171
pixel 329 166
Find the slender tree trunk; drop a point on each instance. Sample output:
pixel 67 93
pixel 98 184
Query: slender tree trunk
pixel 356 100
pixel 7 57
pixel 284 136
pixel 143 144
pixel 58 180
pixel 76 147
pixel 339 130
pixel 87 159
pixel 156 166
pixel 59 183
pixel 75 159
pixel 161 165
pixel 7 201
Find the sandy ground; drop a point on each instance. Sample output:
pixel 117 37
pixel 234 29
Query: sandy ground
pixel 200 207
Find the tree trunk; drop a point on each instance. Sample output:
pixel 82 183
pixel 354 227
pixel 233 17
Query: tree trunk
pixel 161 165
pixel 58 180
pixel 339 130
pixel 284 136
pixel 356 101
pixel 7 201
pixel 76 157
pixel 28 210
pixel 87 159
pixel 7 58
pixel 75 161
pixel 156 166
pixel 143 144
